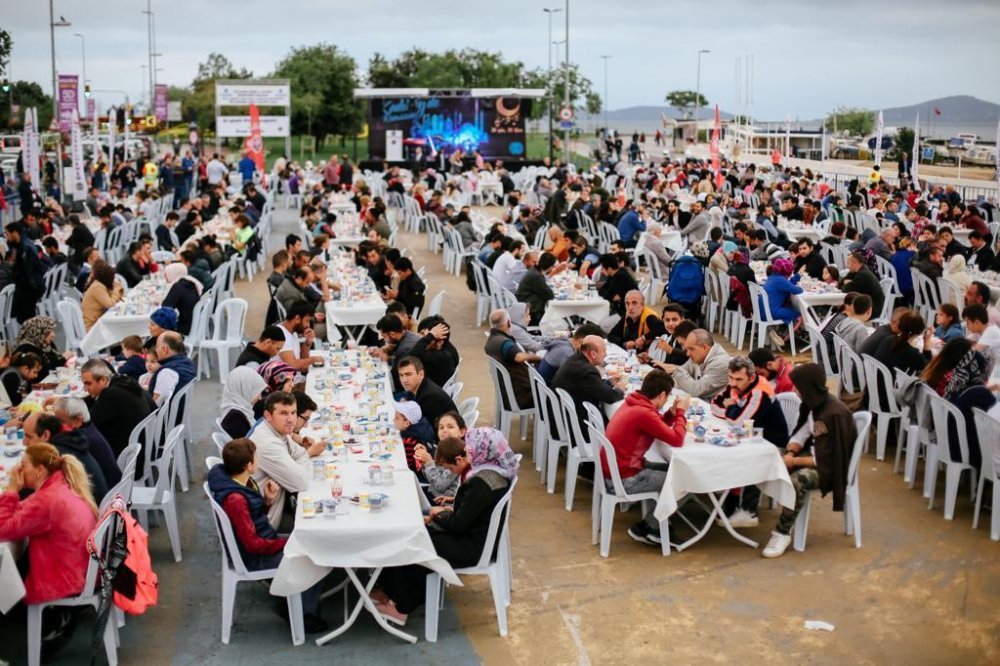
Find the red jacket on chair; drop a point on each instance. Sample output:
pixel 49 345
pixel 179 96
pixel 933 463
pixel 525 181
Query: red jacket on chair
pixel 633 429
pixel 56 522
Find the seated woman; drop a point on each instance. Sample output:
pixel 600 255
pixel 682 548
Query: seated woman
pixel 103 291
pixel 279 376
pixel 241 393
pixel 948 323
pixel 37 336
pixel 161 321
pixel 183 295
pixel 780 286
pixel 16 379
pixel 245 503
pixel 56 519
pixel 898 353
pixel 486 466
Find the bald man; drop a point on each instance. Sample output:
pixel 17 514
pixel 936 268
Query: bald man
pixel 580 377
pixel 176 370
pixel 638 327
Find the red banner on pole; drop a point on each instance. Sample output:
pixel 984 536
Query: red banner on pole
pixel 715 151
pixel 254 143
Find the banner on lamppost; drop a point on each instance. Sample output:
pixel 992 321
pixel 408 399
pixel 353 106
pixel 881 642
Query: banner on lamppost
pixel 29 152
pixel 254 142
pixel 160 102
pixel 91 109
pixel 716 169
pixel 788 139
pixel 915 154
pixel 112 126
pixel 76 150
pixel 996 155
pixel 878 140
pixel 69 100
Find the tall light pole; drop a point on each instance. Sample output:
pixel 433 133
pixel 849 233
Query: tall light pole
pixel 142 90
pixel 53 24
pixel 605 59
pixel 149 44
pixel 548 49
pixel 566 91
pixel 83 56
pixel 697 95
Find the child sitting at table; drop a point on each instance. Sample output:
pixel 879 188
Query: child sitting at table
pixel 16 380
pixel 152 365
pixel 131 362
pixel 413 428
pixel 948 323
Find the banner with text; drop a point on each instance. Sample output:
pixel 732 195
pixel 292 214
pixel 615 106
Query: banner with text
pixel 79 185
pixel 160 103
pixel 69 90
pixel 245 94
pixel 239 126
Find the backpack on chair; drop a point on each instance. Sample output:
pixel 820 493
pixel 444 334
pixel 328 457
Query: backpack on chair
pixel 134 584
pixel 686 284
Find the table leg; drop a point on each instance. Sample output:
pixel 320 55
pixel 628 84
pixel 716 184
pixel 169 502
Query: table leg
pixel 716 511
pixel 366 603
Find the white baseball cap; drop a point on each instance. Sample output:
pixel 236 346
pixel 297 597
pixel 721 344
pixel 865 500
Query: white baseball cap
pixel 410 410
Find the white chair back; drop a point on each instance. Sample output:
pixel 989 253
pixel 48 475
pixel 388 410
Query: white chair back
pixel 71 317
pixel 499 526
pixel 790 404
pixel 224 530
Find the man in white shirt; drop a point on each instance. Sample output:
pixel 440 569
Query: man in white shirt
pixel 506 261
pixel 294 353
pixel 216 170
pixel 279 458
pixel 985 334
pixel 518 269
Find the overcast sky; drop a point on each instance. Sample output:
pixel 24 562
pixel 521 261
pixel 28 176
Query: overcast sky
pixel 809 56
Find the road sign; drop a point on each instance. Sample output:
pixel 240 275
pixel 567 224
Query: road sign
pixel 566 113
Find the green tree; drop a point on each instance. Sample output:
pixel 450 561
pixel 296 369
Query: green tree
pixel 330 74
pixel 308 104
pixel 6 45
pixel 853 120
pixel 685 99
pixel 199 105
pixel 25 94
pixel 581 91
pixel 904 140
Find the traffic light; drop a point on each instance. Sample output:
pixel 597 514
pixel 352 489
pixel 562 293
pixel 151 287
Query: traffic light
pixel 86 90
pixel 5 85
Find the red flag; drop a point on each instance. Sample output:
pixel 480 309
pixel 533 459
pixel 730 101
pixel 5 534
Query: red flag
pixel 715 151
pixel 937 111
pixel 254 143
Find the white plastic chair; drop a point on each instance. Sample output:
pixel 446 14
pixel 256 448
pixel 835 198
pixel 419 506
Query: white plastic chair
pixel 435 307
pixel 220 440
pixel 453 390
pixel 852 368
pixel 988 429
pixel 790 404
pixel 604 500
pixel 178 412
pixel 820 351
pixel 762 317
pixel 234 571
pixel 468 407
pixel 575 455
pixel 852 499
pixel 71 318
pixel 8 326
pixel 503 391
pixel 161 496
pixel 227 335
pixel 941 453
pixel 89 596
pixel 496 567
pixel 879 381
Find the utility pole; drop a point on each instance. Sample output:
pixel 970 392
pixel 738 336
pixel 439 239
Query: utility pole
pixel 62 23
pixel 149 50
pixel 697 95
pixel 566 95
pixel 548 49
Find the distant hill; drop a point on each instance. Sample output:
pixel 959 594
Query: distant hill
pixel 955 109
pixel 647 114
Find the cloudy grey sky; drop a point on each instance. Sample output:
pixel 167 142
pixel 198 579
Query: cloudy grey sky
pixel 810 56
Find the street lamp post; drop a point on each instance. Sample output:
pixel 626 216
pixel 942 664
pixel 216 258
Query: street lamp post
pixel 548 48
pixel 83 56
pixel 566 91
pixel 149 47
pixel 697 95
pixel 605 59
pixel 53 24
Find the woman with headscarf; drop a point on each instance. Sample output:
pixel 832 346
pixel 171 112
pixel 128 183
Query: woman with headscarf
pixel 37 336
pixel 278 376
pixel 241 393
pixel 487 466
pixel 183 295
pixel 956 271
pixel 103 291
pixel 818 453
pixel 160 321
pixel 781 284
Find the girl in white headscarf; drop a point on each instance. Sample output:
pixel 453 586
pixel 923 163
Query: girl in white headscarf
pixel 243 389
pixel 957 272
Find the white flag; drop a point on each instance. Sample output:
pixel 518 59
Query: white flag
pixel 128 121
pixel 878 140
pixel 822 145
pixel 996 155
pixel 112 125
pixel 788 139
pixel 915 154
pixel 76 150
pixel 30 150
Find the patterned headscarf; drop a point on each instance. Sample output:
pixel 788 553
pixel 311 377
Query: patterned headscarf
pixel 275 373
pixel 486 448
pixel 972 370
pixel 34 331
pixel 783 267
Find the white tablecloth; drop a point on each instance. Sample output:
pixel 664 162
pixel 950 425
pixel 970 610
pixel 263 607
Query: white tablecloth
pixel 592 309
pixel 805 301
pixel 129 317
pixel 11 585
pixel 354 312
pixel 796 233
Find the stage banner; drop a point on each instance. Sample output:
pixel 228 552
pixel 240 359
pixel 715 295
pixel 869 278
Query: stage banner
pixel 492 125
pixel 68 100
pixel 160 103
pixel 244 94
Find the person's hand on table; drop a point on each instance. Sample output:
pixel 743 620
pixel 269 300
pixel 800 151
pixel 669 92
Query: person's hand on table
pixel 49 401
pixel 313 448
pixel 270 491
pixel 666 367
pixel 643 357
pixel 682 402
pixel 421 454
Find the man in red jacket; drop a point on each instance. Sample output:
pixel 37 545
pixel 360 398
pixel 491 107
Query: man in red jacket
pixel 632 431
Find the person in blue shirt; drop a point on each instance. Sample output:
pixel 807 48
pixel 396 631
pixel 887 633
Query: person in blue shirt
pixel 246 168
pixel 631 224
pixel 901 260
pixel 781 284
pixel 948 323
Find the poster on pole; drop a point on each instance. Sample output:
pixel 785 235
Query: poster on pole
pixel 68 100
pixel 29 157
pixel 788 139
pixel 112 126
pixel 79 187
pixel 879 126
pixel 915 153
pixel 128 127
pixel 91 110
pixel 160 102
pixel 254 142
pixel 715 151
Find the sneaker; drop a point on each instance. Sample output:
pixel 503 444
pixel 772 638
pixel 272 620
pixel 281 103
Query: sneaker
pixel 643 533
pixel 776 339
pixel 392 614
pixel 743 518
pixel 314 624
pixel 778 544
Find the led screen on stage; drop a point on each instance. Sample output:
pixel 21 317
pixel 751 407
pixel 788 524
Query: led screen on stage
pixel 493 126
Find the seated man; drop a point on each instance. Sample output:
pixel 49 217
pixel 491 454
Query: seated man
pixel 282 460
pixel 411 288
pixel 257 353
pixel 985 334
pixel 706 371
pixel 432 399
pixel 247 504
pixel 295 352
pixel 638 327
pixel 398 344
pixel 669 347
pixel 75 415
pixel 501 347
pixel 853 328
pixel 580 377
pixel 563 348
pixel 826 430
pixel 749 397
pixel 534 289
pixel 617 282
pixel 773 368
pixel 632 430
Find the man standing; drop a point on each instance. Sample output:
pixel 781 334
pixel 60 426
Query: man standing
pixel 534 289
pixel 706 371
pixel 280 459
pixel 246 167
pixel 331 174
pixel 29 274
pixel 579 376
pixel 638 327
pixel 432 399
pixel 216 170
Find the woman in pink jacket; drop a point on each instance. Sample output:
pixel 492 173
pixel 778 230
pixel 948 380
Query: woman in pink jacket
pixel 56 519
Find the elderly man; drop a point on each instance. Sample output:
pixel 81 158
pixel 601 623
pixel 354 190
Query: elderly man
pixel 293 290
pixel 75 417
pixel 117 403
pixel 558 244
pixel 501 347
pixel 883 245
pixel 707 369
pixel 580 376
pixel 638 327
pixel 654 246
pixel 176 370
pixel 43 427
pixel 280 458
pixel 432 399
